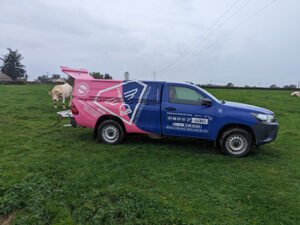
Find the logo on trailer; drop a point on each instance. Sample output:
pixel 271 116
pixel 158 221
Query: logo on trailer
pixel 82 89
pixel 125 109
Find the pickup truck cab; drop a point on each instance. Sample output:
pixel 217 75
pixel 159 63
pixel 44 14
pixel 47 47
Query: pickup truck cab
pixel 116 107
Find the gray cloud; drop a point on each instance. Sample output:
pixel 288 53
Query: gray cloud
pixel 145 36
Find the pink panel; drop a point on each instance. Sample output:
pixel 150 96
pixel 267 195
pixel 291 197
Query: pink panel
pixel 97 97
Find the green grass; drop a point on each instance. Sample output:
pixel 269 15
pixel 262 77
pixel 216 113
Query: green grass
pixel 63 176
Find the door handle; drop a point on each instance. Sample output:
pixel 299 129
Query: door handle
pixel 170 108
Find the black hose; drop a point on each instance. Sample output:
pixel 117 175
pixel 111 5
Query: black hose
pixel 46 128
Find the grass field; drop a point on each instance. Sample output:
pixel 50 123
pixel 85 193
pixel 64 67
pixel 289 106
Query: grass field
pixel 63 176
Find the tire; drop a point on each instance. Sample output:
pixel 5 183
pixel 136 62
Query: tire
pixel 236 142
pixel 110 132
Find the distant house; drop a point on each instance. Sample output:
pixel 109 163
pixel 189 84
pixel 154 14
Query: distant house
pixel 4 77
pixel 59 80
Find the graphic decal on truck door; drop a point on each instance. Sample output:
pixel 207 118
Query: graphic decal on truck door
pixel 188 122
pixel 121 105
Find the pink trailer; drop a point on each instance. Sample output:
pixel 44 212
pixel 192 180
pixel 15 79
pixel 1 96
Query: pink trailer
pixel 96 100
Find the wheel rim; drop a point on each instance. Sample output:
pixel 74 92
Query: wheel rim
pixel 110 133
pixel 236 144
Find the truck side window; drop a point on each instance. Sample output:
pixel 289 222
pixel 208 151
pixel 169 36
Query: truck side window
pixel 184 95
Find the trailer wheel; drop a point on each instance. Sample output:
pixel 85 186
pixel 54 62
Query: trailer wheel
pixel 110 132
pixel 236 142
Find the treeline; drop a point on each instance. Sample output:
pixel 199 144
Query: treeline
pixel 232 86
pixel 15 70
pixel 56 78
pixel 15 73
pixel 286 87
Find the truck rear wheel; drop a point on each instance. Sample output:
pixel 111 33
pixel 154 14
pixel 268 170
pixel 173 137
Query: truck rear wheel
pixel 110 132
pixel 236 142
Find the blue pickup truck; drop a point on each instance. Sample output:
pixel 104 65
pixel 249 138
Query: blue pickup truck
pixel 116 107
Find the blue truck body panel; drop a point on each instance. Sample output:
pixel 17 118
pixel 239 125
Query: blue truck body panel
pixel 159 115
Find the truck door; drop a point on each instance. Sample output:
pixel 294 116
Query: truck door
pixel 142 101
pixel 183 114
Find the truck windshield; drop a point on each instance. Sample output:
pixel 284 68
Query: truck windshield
pixel 208 94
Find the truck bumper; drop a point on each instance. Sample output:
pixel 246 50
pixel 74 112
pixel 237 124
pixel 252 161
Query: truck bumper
pixel 265 132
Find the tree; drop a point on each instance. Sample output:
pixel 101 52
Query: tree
pixel 12 65
pixel 98 75
pixel 107 76
pixel 55 76
pixel 273 86
pixel 229 84
pixel 43 79
pixel 292 86
pixel 70 80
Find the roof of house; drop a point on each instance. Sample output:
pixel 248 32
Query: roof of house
pixel 4 77
pixel 60 80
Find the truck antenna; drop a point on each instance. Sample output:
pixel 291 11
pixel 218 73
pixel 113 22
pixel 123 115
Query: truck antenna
pixel 189 82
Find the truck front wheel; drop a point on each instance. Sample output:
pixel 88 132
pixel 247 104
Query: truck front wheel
pixel 236 142
pixel 110 132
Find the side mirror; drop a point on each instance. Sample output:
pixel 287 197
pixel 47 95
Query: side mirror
pixel 207 102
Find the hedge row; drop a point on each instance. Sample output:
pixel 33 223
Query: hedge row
pixel 202 86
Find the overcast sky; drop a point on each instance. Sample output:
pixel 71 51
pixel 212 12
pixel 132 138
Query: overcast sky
pixel 182 40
